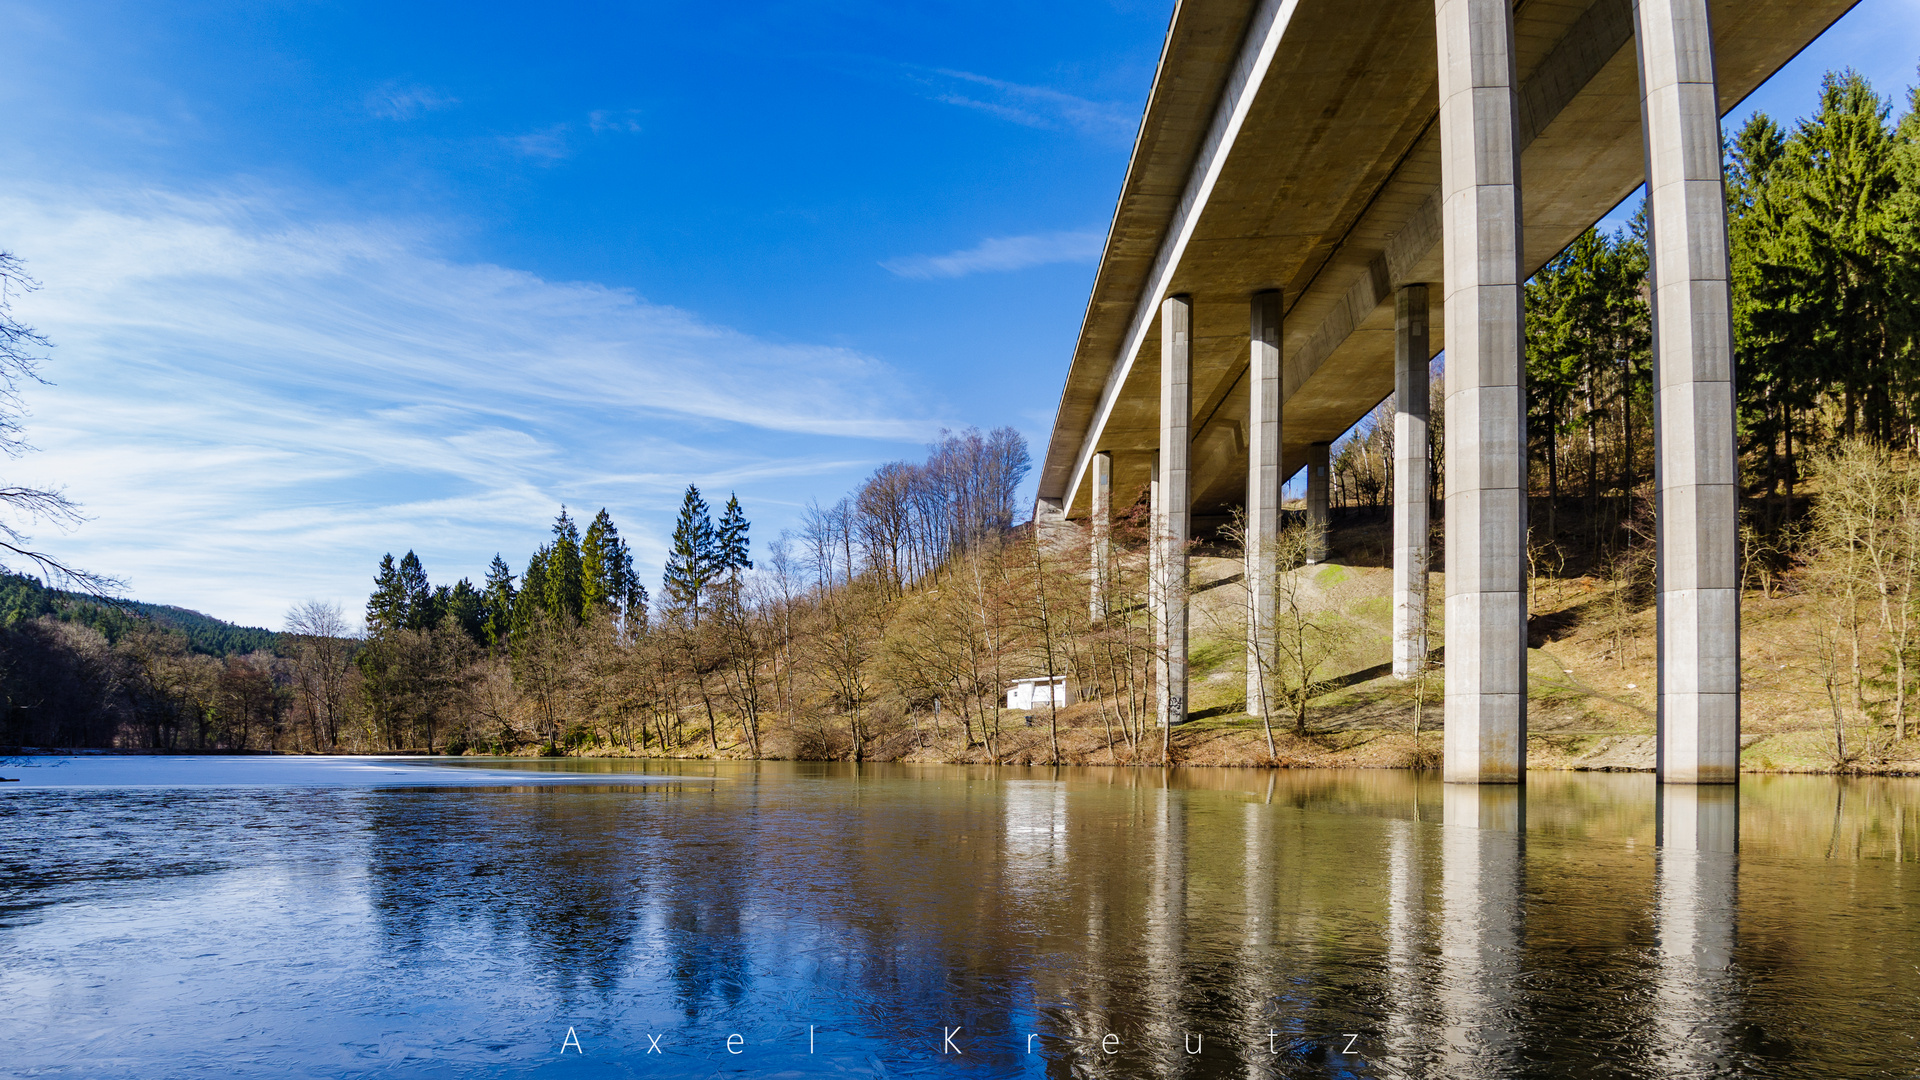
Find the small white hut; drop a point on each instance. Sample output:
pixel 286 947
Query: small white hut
pixel 1038 691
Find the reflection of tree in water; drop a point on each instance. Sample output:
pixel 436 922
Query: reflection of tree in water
pixel 1143 905
pixel 701 887
pixel 547 867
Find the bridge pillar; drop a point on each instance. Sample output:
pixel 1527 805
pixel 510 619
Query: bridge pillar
pixel 1100 539
pixel 1486 704
pixel 1319 492
pixel 1173 509
pixel 1695 461
pixel 1412 486
pixel 1263 495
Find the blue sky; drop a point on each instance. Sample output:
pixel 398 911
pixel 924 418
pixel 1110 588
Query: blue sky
pixel 334 279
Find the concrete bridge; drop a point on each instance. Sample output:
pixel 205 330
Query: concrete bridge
pixel 1323 195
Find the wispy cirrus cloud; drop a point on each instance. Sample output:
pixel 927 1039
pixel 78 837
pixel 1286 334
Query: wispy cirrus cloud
pixel 549 144
pixel 396 102
pixel 618 121
pixel 255 407
pixel 1003 253
pixel 1031 106
pixel 556 142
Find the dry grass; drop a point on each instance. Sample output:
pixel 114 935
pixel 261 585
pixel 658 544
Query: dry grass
pixel 1591 678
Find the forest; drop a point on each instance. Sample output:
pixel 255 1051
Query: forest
pixel 891 621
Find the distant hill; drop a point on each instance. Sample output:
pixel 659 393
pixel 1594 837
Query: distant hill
pixel 23 598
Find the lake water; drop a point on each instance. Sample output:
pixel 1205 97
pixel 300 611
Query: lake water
pixel 164 917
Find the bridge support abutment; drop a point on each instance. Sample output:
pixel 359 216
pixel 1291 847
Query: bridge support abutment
pixel 1262 525
pixel 1696 464
pixel 1486 705
pixel 1173 507
pixel 1412 486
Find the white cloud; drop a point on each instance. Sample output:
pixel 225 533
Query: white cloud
pixel 1030 106
pixel 1003 253
pixel 254 408
pixel 548 144
pixel 624 122
pixel 396 102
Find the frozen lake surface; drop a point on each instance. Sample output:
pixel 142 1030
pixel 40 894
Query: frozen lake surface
pixel 327 917
pixel 145 771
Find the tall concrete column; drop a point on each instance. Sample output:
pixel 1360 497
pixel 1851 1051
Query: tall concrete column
pixel 1100 541
pixel 1171 517
pixel 1695 461
pixel 1156 596
pixel 1319 496
pixel 1486 704
pixel 1412 487
pixel 1263 495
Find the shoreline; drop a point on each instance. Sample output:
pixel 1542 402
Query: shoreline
pixel 1211 747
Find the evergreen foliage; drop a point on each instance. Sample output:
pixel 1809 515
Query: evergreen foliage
pixel 467 607
pixel 498 603
pixel 730 544
pixel 418 609
pixel 565 586
pixel 23 599
pixel 693 560
pixel 387 607
pixel 1834 300
pixel 607 568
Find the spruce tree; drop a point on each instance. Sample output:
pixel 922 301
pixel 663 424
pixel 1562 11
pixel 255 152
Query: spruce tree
pixel 1769 391
pixel 1828 287
pixel 731 546
pixel 533 590
pixel 593 561
pixel 467 607
pixel 434 610
pixel 691 559
pixel 565 588
pixel 498 602
pixel 387 607
pixel 417 594
pixel 606 566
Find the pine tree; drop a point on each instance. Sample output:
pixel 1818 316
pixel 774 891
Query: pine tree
pixel 467 607
pixel 499 601
pixel 533 590
pixel 565 587
pixel 434 610
pixel 1770 391
pixel 594 562
pixel 416 593
pixel 731 546
pixel 691 559
pixel 606 565
pixel 1828 283
pixel 387 607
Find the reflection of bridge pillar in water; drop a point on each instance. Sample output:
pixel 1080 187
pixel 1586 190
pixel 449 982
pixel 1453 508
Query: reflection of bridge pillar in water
pixel 1166 927
pixel 1406 915
pixel 1481 869
pixel 1256 970
pixel 1695 886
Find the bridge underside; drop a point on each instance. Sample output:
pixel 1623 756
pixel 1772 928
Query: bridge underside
pixel 1329 191
pixel 1310 178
